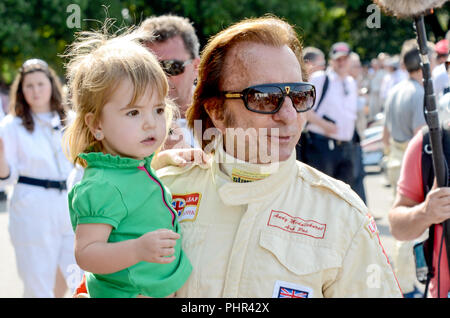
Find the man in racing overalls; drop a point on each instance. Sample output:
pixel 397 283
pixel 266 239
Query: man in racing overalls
pixel 256 222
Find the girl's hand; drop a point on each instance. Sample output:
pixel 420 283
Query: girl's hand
pixel 157 246
pixel 179 158
pixel 95 254
pixel 175 139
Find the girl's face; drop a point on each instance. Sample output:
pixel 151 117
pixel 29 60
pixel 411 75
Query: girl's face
pixel 37 90
pixel 134 131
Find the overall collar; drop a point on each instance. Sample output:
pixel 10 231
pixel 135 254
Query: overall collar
pixel 234 193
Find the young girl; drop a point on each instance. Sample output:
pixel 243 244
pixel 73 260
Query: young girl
pixel 33 162
pixel 126 231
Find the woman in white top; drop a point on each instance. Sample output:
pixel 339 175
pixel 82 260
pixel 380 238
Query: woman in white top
pixel 32 159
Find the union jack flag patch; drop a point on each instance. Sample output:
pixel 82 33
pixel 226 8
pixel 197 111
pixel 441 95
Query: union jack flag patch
pixel 186 206
pixel 292 293
pixel 290 290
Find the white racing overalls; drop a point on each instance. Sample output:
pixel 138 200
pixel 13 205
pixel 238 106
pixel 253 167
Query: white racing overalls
pixel 296 233
pixel 39 223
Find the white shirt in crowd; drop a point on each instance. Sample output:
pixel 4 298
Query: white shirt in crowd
pixel 440 79
pixel 339 104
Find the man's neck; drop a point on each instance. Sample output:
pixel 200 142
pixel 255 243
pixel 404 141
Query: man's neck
pixel 243 171
pixel 183 110
pixel 417 76
pixel 341 74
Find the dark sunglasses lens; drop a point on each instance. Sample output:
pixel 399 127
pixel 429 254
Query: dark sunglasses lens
pixel 264 99
pixel 173 67
pixel 303 97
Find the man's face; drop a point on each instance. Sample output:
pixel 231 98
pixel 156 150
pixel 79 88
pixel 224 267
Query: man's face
pixel 318 64
pixel 267 135
pixel 181 86
pixel 341 65
pixel 355 68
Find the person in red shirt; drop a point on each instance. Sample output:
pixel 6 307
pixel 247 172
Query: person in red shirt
pixel 414 212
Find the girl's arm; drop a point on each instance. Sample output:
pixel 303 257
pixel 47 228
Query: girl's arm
pixel 94 254
pixel 179 158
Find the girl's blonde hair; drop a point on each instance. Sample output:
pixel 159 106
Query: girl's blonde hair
pixel 98 63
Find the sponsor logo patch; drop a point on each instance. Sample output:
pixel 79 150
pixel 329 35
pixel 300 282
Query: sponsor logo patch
pixel 186 206
pixel 296 225
pixel 371 226
pixel 290 290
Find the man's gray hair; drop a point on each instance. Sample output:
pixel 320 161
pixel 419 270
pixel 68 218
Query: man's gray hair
pixel 165 27
pixel 312 53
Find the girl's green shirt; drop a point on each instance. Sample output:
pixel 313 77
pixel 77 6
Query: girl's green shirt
pixel 126 194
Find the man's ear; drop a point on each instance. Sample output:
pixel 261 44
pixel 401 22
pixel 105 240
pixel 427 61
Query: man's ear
pixel 94 126
pixel 195 63
pixel 214 108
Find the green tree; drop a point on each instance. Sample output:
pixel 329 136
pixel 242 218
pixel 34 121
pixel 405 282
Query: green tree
pixel 42 28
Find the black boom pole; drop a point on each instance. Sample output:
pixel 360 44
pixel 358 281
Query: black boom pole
pixel 430 110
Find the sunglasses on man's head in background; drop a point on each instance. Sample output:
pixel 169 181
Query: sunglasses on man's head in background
pixel 268 98
pixel 174 67
pixel 32 65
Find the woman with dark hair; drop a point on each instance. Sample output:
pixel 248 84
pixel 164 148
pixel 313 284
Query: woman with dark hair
pixel 32 159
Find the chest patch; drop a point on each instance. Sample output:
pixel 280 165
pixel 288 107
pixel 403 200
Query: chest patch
pixel 296 225
pixel 186 206
pixel 290 290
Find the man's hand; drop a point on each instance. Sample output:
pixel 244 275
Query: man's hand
pixel 2 148
pixel 4 168
pixel 329 128
pixel 436 208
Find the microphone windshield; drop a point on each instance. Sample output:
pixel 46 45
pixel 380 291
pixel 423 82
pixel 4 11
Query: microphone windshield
pixel 408 8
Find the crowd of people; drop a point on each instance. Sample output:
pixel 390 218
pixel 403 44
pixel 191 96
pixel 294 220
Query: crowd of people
pixel 392 86
pixel 227 173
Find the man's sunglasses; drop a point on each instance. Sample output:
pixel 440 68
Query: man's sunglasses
pixel 174 67
pixel 268 98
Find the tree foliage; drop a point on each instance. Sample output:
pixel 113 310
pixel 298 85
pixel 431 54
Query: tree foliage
pixel 42 28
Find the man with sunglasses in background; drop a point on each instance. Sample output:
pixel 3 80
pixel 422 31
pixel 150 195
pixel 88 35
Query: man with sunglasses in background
pixel 176 45
pixel 256 222
pixel 314 60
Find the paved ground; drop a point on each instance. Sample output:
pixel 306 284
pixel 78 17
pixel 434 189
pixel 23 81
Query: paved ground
pixel 379 198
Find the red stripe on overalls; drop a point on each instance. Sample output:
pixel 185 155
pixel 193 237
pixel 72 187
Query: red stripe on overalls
pixel 162 193
pixel 389 263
